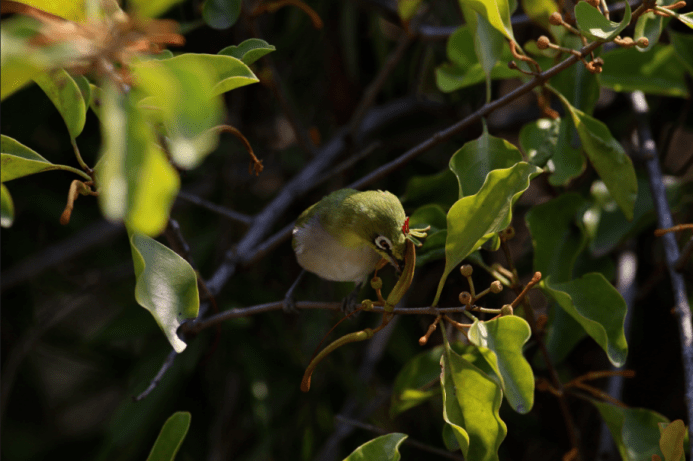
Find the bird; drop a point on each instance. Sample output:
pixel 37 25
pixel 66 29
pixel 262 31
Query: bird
pixel 346 234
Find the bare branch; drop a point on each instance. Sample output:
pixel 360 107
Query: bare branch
pixel 159 376
pixel 236 216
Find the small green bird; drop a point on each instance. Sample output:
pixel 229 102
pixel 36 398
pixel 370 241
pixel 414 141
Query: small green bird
pixel 343 236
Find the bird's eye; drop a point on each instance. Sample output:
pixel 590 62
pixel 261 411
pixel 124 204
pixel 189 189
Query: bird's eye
pixel 383 243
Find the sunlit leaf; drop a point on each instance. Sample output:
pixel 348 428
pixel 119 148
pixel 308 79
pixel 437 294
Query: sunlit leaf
pixel 657 71
pixel 607 156
pixel 496 12
pixel 152 8
pixel 66 96
pixel 383 448
pixel 249 51
pixel 595 26
pixel 474 219
pixel 171 437
pixel 539 139
pixel 476 159
pixel 635 430
pixel 671 440
pixel 413 383
pixel 6 207
pixel 18 160
pixel 506 336
pixel 136 181
pixel 228 73
pixel 471 401
pixel 221 14
pixel 166 285
pixel 596 305
pixel 67 9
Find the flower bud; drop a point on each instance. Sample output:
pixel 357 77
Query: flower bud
pixel 642 42
pixel 465 298
pixel 376 283
pixel 507 309
pixel 466 270
pixel 556 19
pixel 496 287
pixel 543 42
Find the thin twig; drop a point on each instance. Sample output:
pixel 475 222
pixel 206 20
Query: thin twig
pixel 671 250
pixel 422 446
pixel 159 376
pixel 236 216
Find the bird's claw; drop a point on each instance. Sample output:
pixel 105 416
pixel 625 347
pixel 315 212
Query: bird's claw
pixel 289 305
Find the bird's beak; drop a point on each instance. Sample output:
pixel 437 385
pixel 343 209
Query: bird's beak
pixel 399 265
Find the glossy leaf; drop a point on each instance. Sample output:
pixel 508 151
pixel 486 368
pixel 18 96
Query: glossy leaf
pixel 595 26
pixel 489 44
pixel 657 71
pixel 152 8
pixel 249 50
pixel 471 401
pixel 6 207
pixel 166 285
pixel 683 46
pixel 596 305
pixel 635 430
pixel 496 12
pixel 538 139
pixel 383 448
pixel 476 159
pixel 474 219
pixel 671 440
pixel 412 385
pixel 171 437
pixel 607 156
pixel 67 97
pixel 649 25
pixel 136 181
pixel 221 14
pixel 18 160
pixel 506 336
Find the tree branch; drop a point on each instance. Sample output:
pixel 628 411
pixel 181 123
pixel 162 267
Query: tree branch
pixel 671 251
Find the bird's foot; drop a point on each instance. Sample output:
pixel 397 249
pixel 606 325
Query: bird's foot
pixel 289 304
pixel 350 302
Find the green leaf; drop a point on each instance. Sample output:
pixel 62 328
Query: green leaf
pixel 433 248
pixel 152 8
pixel 558 235
pixel 686 18
pixel 649 25
pixel 383 448
pixel 683 46
pixel 635 430
pixel 563 333
pixel 595 26
pixel 407 9
pixel 136 181
pixel 166 285
pixel 439 188
pixel 67 97
pixel 412 385
pixel 18 160
pixel 506 336
pixel 227 72
pixel 672 437
pixel 471 401
pixel 596 305
pixel 607 156
pixel 171 437
pixel 249 51
pixel 657 71
pixel 474 219
pixel 496 12
pixel 489 44
pixel 476 159
pixel 580 86
pixel 67 9
pixel 568 162
pixel 539 11
pixel 539 139
pixel 221 14
pixel 6 207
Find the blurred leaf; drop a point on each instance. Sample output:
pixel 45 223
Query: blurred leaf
pixel 66 9
pixel 66 96
pixel 539 11
pixel 596 305
pixel 20 64
pixel 635 430
pixel 221 14
pixel 407 9
pixel 683 46
pixel 84 88
pixel 96 96
pixel 249 50
pixel 18 160
pixel 471 401
pixel 607 156
pixel 6 207
pixel 506 336
pixel 671 440
pixel 595 26
pixel 428 215
pixel 433 248
pixel 227 73
pixel 136 181
pixel 686 18
pixel 557 235
pixel 166 285
pixel 539 139
pixel 649 25
pixel 171 437
pixel 383 448
pixel 657 71
pixel 476 159
pixel 473 219
pixel 496 12
pixel 412 384
pixel 439 188
pixel 152 8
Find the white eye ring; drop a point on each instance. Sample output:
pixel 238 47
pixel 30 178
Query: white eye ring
pixel 383 243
